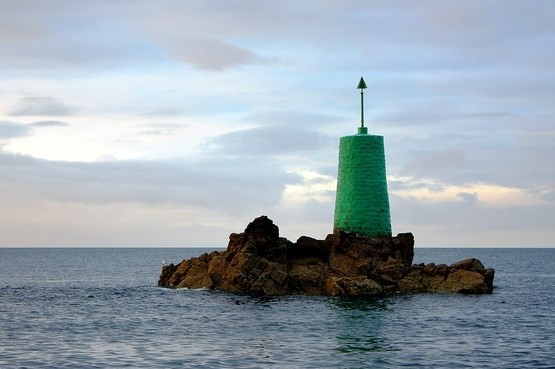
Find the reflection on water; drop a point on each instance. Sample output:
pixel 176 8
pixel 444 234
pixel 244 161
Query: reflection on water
pixel 359 327
pixel 363 304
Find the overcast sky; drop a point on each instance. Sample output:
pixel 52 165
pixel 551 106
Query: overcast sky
pixel 175 123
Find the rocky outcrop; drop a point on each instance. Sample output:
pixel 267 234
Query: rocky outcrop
pixel 259 262
pixel 468 276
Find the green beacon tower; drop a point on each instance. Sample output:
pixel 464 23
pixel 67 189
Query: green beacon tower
pixel 362 201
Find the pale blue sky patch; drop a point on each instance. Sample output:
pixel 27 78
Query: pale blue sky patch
pixel 13 130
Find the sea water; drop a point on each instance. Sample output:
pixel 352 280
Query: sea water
pixel 100 308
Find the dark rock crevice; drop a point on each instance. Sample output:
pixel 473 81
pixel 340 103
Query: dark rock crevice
pixel 259 262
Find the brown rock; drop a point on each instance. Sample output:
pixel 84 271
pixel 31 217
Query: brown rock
pixel 463 281
pixel 474 265
pixel 412 282
pixel 390 271
pixel 349 286
pixel 467 276
pixel 307 276
pixel 259 262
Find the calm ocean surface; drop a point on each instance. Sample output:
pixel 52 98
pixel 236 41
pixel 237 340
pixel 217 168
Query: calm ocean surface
pixel 100 308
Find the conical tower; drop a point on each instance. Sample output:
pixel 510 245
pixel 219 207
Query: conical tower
pixel 362 201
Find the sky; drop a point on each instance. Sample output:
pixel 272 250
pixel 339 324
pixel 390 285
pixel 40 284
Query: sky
pixel 176 123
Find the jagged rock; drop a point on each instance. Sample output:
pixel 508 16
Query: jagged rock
pixel 467 276
pixel 259 262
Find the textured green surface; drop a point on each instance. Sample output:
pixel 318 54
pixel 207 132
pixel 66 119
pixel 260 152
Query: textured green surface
pixel 362 201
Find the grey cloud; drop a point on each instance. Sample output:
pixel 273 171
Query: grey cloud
pixel 549 196
pixel 506 85
pixel 140 203
pixel 394 185
pixel 217 35
pixel 423 112
pixel 64 36
pixel 10 129
pixel 469 198
pixel 435 162
pixel 465 31
pixel 211 53
pixel 230 185
pixel 49 123
pixel 503 148
pixel 434 111
pixel 223 19
pixel 283 118
pixel 40 105
pixel 458 224
pixel 472 33
pixel 502 144
pixel 271 141
pixel 14 29
pixel 490 115
pixel 520 164
pixel 13 130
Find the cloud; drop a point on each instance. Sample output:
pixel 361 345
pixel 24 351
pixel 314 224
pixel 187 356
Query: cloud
pixel 434 163
pixel 40 105
pixel 10 130
pixel 549 196
pixel 124 199
pixel 273 140
pixel 13 130
pixel 433 191
pixel 65 37
pixel 370 35
pixel 49 123
pixel 314 187
pixel 469 198
pixel 467 118
pixel 211 53
pixel 162 129
pixel 282 118
pixel 228 184
pixel 478 224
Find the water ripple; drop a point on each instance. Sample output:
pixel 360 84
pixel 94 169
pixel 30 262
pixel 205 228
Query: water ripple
pixel 81 322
